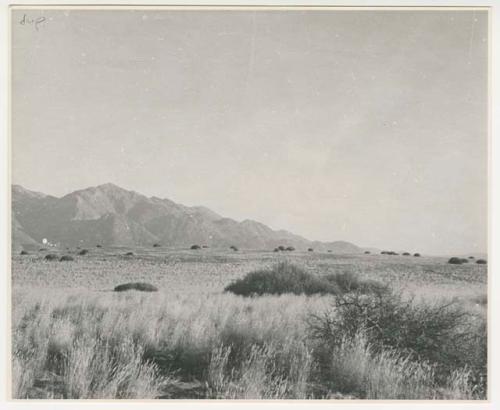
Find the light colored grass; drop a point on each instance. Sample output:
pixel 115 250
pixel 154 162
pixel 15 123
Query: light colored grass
pixel 74 338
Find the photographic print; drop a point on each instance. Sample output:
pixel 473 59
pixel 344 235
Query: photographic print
pixel 249 203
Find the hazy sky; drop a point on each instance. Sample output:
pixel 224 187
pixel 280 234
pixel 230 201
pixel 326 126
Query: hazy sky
pixel 365 126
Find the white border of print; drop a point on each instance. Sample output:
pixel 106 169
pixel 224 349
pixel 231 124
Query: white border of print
pixel 493 401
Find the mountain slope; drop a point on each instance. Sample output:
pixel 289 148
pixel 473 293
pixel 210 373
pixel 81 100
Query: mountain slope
pixel 112 216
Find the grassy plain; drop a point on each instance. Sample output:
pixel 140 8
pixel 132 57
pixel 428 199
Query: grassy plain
pixel 73 337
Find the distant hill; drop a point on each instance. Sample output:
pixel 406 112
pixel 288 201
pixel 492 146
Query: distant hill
pixel 113 216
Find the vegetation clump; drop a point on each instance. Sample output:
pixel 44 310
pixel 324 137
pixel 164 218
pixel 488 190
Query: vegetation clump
pixel 234 248
pixel 140 286
pixel 457 261
pixel 417 255
pixel 367 252
pixel 310 250
pixel 23 252
pixel 195 247
pixel 442 336
pixel 281 278
pixel 290 249
pixel 481 262
pixel 66 258
pixel 156 245
pixel 51 257
pixel 129 254
pixel 98 246
pixel 83 252
pixel 406 253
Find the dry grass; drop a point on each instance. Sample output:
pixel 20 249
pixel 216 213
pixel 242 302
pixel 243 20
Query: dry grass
pixel 75 338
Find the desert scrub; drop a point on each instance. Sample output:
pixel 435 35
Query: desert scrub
pixel 281 278
pixel 440 334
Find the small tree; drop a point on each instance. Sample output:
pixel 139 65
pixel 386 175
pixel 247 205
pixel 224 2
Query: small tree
pixel 417 255
pixel 290 249
pixel 481 262
pixel 195 247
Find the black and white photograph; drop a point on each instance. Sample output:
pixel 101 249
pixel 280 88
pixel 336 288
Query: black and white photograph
pixel 249 203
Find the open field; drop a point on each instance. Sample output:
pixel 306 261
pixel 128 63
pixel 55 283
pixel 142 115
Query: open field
pixel 75 338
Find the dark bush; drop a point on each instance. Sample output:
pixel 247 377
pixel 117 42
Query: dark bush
pixel 276 250
pixel 281 248
pixel 329 251
pixel 129 254
pixel 195 247
pixel 384 252
pixel 23 253
pixel 42 249
pixel 83 252
pixel 66 258
pixel 141 286
pixel 51 257
pixel 443 334
pixel 481 262
pixel 310 250
pixel 349 281
pixel 406 254
pixel 204 246
pixel 290 248
pixel 98 246
pixel 156 245
pixel 234 248
pixel 281 278
pixel 417 255
pixel 455 261
pixel 367 252
pixel 471 257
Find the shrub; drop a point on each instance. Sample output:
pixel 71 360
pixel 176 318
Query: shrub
pixel 417 255
pixel 234 248
pixel 98 246
pixel 205 246
pixel 481 262
pixel 465 260
pixel 23 253
pixel 367 252
pixel 310 250
pixel 195 247
pixel 471 257
pixel 290 248
pixel 140 286
pixel 129 254
pixel 66 258
pixel 281 278
pixel 276 250
pixel 348 282
pixel 442 334
pixel 329 251
pixel 156 245
pixel 42 249
pixel 51 257
pixel 281 248
pixel 406 254
pixel 455 261
pixel 83 252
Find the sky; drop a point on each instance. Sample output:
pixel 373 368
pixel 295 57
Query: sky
pixel 364 126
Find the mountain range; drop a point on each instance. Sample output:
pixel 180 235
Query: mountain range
pixel 112 216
